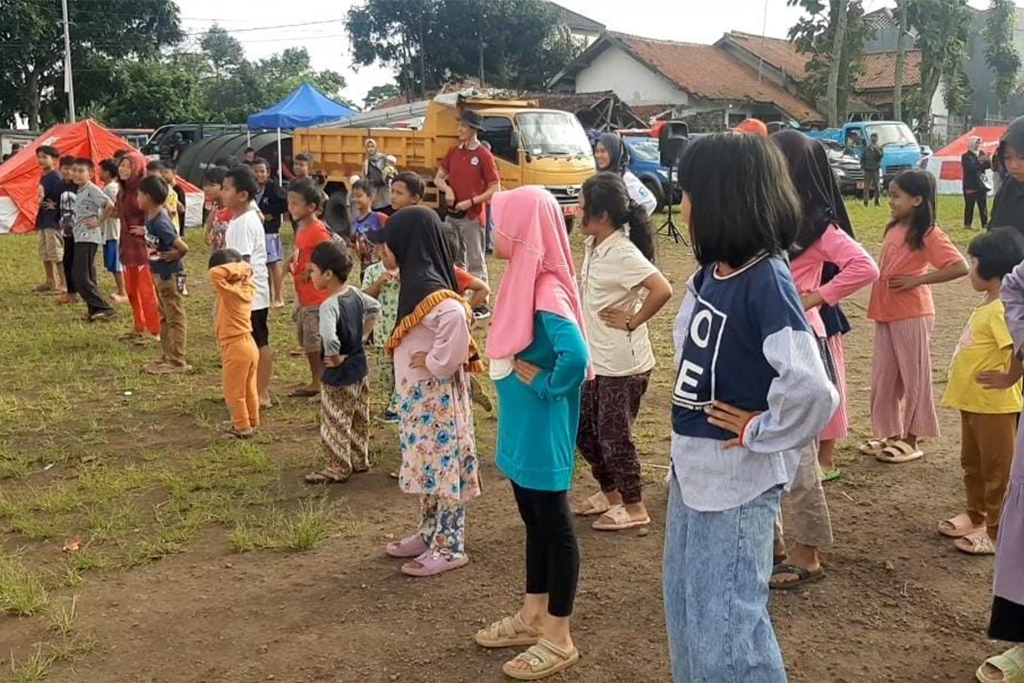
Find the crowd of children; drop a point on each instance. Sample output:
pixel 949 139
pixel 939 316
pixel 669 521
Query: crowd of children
pixel 570 357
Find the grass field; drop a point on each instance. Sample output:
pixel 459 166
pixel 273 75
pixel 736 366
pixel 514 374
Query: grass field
pixel 105 471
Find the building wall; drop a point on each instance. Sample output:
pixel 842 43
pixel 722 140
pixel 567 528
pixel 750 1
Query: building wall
pixel 633 82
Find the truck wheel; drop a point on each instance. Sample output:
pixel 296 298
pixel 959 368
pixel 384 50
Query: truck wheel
pixel 654 187
pixel 336 213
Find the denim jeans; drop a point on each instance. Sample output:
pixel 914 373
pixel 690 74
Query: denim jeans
pixel 715 580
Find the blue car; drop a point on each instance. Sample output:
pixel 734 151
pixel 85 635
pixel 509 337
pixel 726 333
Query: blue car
pixel 645 164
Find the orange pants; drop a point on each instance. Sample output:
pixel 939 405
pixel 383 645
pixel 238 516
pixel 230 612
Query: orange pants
pixel 138 282
pixel 239 358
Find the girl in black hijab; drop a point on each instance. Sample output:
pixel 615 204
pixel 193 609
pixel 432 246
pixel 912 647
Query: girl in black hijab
pixel 612 154
pixel 433 351
pixel 1008 207
pixel 824 237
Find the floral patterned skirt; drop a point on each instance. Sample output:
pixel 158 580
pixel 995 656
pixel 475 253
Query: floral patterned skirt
pixel 436 434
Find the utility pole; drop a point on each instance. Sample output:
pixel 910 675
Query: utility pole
pixel 69 82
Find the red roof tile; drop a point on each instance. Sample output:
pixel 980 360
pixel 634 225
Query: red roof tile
pixel 880 70
pixel 710 72
pixel 777 52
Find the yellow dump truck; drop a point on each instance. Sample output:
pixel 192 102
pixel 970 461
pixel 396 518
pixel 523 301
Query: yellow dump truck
pixel 532 146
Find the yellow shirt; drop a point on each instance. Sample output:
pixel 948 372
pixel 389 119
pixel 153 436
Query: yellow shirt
pixel 172 208
pixel 985 344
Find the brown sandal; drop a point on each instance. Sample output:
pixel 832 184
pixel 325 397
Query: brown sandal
pixel 508 632
pixel 543 659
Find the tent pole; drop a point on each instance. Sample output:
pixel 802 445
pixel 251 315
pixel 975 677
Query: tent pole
pixel 248 137
pixel 280 177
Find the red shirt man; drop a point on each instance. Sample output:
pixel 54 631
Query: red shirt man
pixel 469 177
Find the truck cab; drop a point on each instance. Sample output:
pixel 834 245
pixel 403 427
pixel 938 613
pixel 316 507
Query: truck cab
pixel 901 149
pixel 531 146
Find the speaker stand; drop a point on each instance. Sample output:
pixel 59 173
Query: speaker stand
pixel 668 228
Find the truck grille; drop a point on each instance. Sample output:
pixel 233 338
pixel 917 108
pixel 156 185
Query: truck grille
pixel 569 194
pixel 853 172
pixel 896 168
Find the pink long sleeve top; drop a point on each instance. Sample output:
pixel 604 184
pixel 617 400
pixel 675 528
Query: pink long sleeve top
pixel 856 270
pixel 443 334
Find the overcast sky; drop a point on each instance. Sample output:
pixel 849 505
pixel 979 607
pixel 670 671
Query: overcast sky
pixel 701 21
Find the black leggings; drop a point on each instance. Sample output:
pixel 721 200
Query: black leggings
pixel 552 556
pixel 981 200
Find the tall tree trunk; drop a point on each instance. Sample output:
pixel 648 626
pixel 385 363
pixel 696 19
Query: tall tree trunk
pixel 837 64
pixel 901 54
pixel 423 60
pixel 32 88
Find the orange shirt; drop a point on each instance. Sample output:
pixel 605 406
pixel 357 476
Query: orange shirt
pixel 306 239
pixel 898 259
pixel 463 279
pixel 233 283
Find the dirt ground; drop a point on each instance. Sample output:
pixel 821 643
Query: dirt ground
pixel 899 602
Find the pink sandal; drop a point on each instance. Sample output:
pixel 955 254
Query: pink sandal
pixel 410 546
pixel 431 564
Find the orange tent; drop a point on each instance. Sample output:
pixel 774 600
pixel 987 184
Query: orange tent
pixel 19 175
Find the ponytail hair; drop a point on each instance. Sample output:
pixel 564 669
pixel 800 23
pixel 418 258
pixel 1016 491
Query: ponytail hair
pixel 605 194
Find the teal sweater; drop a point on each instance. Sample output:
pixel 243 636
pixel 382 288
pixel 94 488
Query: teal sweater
pixel 537 423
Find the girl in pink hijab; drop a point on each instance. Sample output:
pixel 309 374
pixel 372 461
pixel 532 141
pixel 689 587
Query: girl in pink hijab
pixel 539 361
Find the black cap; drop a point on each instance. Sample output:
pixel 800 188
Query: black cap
pixel 472 119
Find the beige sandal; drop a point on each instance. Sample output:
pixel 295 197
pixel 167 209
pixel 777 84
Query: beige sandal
pixel 509 632
pixel 543 659
pixel 977 543
pixel 619 520
pixel 596 504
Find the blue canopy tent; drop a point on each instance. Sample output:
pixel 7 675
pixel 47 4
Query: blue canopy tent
pixel 304 106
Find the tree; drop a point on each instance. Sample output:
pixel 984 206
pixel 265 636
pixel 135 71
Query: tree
pixel 223 51
pixel 942 30
pixel 32 49
pixel 902 26
pixel 378 94
pixel 837 62
pixel 814 35
pixel 516 43
pixel 152 92
pixel 283 72
pixel 1000 53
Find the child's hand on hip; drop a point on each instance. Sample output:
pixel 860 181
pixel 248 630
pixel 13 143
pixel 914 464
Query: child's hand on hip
pixel 525 371
pixel 903 283
pixel 731 419
pixel 418 360
pixel 334 361
pixel 996 379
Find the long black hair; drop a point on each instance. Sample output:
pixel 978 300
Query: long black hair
pixel 742 201
pixel 817 187
pixel 917 184
pixel 605 194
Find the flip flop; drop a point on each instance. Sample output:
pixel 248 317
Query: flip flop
pixel 597 504
pixel 898 452
pixel 1010 664
pixel 959 526
pixel 543 659
pixel 831 475
pixel 977 543
pixel 620 520
pixel 873 446
pixel 303 392
pixel 803 576
pixel 508 632
pixel 410 546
